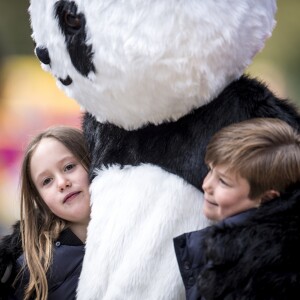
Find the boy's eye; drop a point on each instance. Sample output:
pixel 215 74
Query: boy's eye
pixel 46 181
pixel 223 181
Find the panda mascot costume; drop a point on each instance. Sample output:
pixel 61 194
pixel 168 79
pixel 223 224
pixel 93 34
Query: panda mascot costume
pixel 157 79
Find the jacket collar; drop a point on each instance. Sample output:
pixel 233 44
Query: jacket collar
pixel 239 218
pixel 67 237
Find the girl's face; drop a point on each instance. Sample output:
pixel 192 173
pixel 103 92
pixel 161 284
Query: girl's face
pixel 61 181
pixel 225 194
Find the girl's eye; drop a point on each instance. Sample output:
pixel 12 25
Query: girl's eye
pixel 46 181
pixel 69 167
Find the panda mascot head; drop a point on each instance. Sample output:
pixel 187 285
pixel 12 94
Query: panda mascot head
pixel 157 78
pixel 131 63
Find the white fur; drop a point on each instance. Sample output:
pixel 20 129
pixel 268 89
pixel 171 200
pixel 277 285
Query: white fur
pixel 136 212
pixel 156 60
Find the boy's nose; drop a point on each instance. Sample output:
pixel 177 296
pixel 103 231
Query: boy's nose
pixel 207 184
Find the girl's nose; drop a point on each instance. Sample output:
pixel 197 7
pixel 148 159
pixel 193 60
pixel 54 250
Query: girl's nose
pixel 63 183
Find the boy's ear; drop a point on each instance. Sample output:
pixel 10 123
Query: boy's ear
pixel 269 195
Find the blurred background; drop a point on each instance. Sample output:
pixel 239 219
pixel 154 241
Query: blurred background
pixel 30 100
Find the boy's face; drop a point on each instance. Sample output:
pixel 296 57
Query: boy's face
pixel 225 194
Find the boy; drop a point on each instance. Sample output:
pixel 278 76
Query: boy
pixel 253 251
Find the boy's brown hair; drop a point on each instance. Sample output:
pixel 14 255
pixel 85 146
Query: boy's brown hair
pixel 264 151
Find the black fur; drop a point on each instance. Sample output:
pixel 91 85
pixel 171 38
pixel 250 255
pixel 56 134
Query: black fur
pixel 43 55
pixel 10 250
pixel 72 25
pixel 179 147
pixel 257 260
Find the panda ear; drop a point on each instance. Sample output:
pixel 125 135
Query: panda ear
pixel 269 195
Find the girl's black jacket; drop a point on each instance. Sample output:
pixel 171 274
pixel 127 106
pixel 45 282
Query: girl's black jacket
pixel 63 275
pixel 258 258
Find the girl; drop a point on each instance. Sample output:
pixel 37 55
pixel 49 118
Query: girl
pixel 55 212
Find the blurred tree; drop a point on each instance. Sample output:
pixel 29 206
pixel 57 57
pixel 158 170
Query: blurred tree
pixel 282 49
pixel 1 74
pixel 15 27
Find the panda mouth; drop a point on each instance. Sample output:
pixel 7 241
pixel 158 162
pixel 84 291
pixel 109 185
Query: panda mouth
pixel 67 81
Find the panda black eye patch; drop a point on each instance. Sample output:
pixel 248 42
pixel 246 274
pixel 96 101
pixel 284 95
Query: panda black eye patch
pixel 70 21
pixel 72 25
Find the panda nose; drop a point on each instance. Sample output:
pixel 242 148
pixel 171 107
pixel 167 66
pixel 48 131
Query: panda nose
pixel 43 55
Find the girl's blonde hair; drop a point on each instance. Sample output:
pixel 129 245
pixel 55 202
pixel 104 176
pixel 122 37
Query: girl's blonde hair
pixel 39 226
pixel 264 151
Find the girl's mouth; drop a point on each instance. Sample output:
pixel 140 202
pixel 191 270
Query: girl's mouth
pixel 70 196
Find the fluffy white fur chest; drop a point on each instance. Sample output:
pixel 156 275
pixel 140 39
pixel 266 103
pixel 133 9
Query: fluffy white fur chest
pixel 136 213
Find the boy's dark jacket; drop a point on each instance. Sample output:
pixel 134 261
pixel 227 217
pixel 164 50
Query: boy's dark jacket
pixel 257 259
